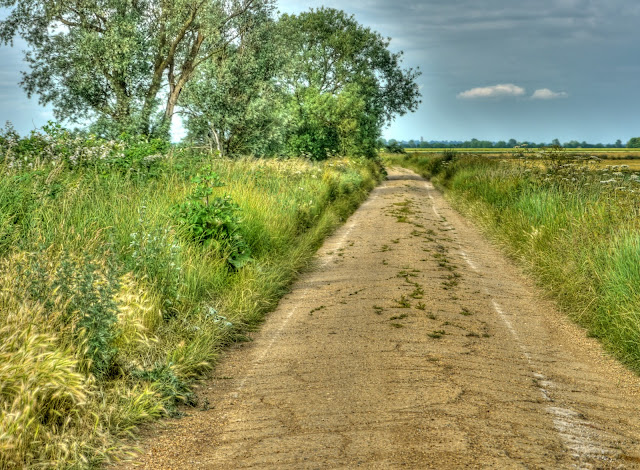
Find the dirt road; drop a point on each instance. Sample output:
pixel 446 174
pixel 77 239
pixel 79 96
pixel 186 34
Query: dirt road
pixel 412 344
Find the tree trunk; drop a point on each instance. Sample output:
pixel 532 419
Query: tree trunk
pixel 216 136
pixel 176 86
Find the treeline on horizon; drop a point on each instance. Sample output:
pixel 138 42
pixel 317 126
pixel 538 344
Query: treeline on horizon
pixel 511 143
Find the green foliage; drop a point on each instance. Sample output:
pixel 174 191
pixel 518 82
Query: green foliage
pixel 634 142
pixel 140 157
pixel 94 299
pixel 109 60
pixel 346 84
pixel 156 256
pixel 86 289
pixel 235 103
pixel 213 222
pixel 393 146
pixel 317 83
pixel 173 389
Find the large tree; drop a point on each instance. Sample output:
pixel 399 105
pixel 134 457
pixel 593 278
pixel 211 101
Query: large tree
pixel 235 103
pixel 345 82
pixel 634 142
pixel 118 62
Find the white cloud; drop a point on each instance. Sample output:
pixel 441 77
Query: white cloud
pixel 507 89
pixel 546 94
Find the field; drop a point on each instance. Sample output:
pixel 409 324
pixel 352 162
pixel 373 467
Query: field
pixel 604 153
pixel 572 223
pixel 126 267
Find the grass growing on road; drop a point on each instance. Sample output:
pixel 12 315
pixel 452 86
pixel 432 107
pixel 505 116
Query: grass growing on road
pixel 574 223
pixel 125 267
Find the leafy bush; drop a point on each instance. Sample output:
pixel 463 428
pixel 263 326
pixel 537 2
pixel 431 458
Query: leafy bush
pixel 213 222
pixel 394 147
pixel 168 385
pixel 138 156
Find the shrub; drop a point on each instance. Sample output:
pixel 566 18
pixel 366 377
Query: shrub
pixel 171 387
pixel 213 222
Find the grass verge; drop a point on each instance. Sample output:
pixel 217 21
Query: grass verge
pixel 110 308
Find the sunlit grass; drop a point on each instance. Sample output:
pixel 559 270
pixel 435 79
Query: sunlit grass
pixel 108 314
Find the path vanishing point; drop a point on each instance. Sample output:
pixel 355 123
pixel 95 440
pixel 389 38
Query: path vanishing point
pixel 413 343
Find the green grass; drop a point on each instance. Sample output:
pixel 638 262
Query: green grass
pixel 109 313
pixel 574 226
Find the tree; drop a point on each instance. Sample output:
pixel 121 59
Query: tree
pixel 235 103
pixel 634 143
pixel 344 82
pixel 118 61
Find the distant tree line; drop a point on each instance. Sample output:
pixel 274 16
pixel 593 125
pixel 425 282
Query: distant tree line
pixel 245 79
pixel 511 143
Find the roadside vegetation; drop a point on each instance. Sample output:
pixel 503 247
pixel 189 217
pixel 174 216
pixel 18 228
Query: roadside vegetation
pixel 573 222
pixel 126 266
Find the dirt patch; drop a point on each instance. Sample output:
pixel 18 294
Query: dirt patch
pixel 416 344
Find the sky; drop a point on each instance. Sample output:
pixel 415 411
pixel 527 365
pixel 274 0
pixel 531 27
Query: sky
pixel 531 70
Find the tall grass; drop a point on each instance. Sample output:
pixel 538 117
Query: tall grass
pixel 108 312
pixel 573 225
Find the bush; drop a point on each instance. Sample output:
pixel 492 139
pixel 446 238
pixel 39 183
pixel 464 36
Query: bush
pixel 213 222
pixel 394 147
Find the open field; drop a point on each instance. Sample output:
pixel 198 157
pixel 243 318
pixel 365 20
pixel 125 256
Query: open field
pixel 617 159
pixel 605 153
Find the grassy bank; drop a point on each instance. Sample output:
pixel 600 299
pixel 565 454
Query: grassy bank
pixel 573 225
pixel 126 267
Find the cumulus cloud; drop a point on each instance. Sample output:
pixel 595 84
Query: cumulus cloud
pixel 546 94
pixel 507 89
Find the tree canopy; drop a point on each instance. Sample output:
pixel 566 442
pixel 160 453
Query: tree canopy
pixel 346 83
pixel 116 62
pixel 246 81
pixel 234 103
pixel 634 142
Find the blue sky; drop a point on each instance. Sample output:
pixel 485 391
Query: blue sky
pixel 491 69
